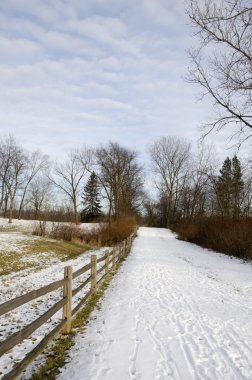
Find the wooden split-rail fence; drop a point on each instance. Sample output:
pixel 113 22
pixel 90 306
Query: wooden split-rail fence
pixel 111 258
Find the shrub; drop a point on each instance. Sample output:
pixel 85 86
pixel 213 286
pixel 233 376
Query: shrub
pixel 91 236
pixel 99 235
pixel 110 233
pixel 229 236
pixel 39 228
pixel 118 230
pixel 66 232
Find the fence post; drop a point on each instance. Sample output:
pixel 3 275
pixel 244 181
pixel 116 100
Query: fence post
pixel 114 259
pixel 106 262
pixel 93 273
pixel 121 250
pixel 67 292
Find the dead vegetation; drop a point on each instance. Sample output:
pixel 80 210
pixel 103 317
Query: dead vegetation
pixel 103 234
pixel 230 236
pixel 37 253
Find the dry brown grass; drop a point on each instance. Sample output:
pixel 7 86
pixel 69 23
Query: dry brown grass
pixel 233 237
pixel 118 230
pixel 110 233
pixel 66 232
pixel 102 235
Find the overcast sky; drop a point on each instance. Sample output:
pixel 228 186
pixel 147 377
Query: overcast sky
pixel 83 72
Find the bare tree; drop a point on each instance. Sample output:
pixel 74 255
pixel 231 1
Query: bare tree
pixel 169 157
pixel 36 162
pixel 68 178
pixel 40 193
pixel 222 64
pixel 120 176
pixel 202 167
pixel 13 161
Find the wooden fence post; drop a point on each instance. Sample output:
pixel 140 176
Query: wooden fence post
pixel 67 292
pixel 106 262
pixel 119 252
pixel 114 259
pixel 93 273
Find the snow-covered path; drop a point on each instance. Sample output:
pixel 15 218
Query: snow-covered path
pixel 173 311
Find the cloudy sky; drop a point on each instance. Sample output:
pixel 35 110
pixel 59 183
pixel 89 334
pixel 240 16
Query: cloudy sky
pixel 83 72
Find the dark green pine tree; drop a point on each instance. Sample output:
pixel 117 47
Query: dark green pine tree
pixel 238 186
pixel 91 200
pixel 230 188
pixel 224 187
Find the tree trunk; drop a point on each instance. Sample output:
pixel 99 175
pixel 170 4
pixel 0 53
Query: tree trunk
pixel 75 212
pixel 10 210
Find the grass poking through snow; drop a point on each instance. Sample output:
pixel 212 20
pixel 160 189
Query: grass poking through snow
pixel 36 253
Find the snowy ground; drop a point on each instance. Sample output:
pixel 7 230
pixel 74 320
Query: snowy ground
pixel 17 283
pixel 174 311
pixel 19 249
pixel 28 225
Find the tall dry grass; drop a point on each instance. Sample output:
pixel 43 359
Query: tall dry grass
pixel 104 234
pixel 118 230
pixel 230 236
pixel 111 232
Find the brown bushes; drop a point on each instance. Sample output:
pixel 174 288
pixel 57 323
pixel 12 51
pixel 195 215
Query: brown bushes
pixel 117 230
pixel 66 232
pixel 110 233
pixel 230 236
pixel 97 235
pixel 39 228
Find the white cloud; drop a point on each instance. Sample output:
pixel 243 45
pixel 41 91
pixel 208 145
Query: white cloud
pixel 94 71
pixel 18 50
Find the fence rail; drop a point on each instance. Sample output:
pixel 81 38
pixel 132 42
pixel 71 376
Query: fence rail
pixel 111 258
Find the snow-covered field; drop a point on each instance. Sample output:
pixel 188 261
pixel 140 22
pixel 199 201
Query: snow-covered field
pixel 17 283
pixel 173 311
pixel 28 225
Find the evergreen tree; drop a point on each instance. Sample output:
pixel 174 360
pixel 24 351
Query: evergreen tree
pixel 229 187
pixel 91 201
pixel 224 187
pixel 238 186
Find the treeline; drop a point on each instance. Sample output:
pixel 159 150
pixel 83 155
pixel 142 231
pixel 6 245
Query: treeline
pixel 191 185
pixel 204 203
pixel 190 191
pixel 87 185
pixel 109 180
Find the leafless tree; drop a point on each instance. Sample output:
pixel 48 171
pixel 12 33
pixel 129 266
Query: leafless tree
pixel 247 191
pixel 40 194
pixel 121 178
pixel 222 64
pixel 13 161
pixel 202 168
pixel 169 157
pixel 35 163
pixel 68 177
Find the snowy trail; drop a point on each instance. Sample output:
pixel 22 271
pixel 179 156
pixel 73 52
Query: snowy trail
pixel 173 311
